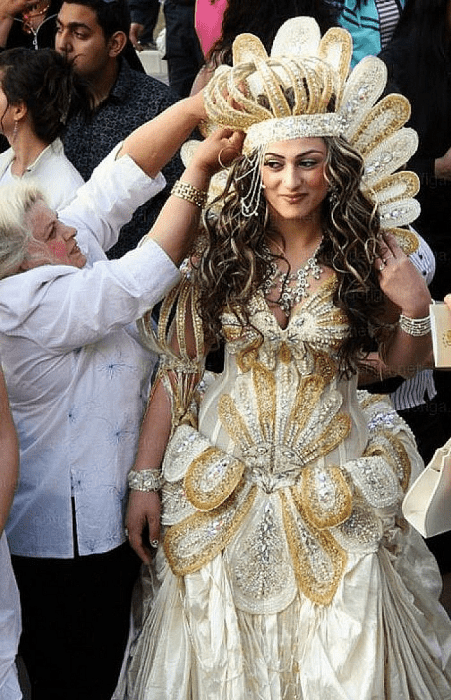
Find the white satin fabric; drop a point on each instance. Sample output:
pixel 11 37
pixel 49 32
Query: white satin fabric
pixel 382 635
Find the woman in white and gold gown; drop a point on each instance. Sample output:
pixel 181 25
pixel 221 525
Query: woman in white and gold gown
pixel 285 569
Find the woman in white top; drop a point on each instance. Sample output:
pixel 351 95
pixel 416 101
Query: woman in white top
pixel 36 90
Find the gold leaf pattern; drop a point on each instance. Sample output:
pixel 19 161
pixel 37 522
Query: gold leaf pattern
pixel 265 391
pixel 189 545
pixel 211 478
pixel 324 496
pixel 232 420
pixel 318 560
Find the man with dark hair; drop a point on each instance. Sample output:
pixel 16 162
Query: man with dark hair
pixel 93 34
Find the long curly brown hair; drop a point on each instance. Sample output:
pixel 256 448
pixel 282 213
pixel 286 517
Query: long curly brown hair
pixel 235 263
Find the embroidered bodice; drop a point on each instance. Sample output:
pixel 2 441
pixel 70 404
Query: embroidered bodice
pixel 288 465
pixel 314 326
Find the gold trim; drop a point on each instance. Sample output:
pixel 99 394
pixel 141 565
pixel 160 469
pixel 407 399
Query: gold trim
pixel 312 579
pixel 309 501
pixel 195 541
pixel 203 488
pixel 233 421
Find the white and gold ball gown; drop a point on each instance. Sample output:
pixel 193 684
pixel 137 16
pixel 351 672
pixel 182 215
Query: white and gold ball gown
pixel 286 570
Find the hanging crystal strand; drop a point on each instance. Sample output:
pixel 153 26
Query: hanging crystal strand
pixel 251 201
pixel 293 286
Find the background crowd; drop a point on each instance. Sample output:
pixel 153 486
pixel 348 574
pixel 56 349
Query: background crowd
pixel 76 111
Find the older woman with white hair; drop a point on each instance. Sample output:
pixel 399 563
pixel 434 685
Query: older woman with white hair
pixel 78 375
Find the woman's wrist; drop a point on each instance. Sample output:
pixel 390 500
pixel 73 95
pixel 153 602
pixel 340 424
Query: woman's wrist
pixel 415 326
pixel 190 193
pixel 146 480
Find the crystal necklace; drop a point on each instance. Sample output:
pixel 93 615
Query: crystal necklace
pixel 292 286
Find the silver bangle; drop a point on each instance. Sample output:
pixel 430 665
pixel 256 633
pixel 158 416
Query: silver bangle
pixel 145 480
pixel 415 326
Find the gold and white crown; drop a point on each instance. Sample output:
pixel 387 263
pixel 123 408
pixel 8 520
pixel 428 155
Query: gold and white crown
pixel 303 89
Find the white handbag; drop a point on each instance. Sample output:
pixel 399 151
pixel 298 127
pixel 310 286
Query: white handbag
pixel 427 504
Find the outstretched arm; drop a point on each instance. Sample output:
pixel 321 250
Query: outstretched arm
pixel 9 455
pixel 154 143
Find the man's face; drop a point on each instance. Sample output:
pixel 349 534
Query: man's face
pixel 81 39
pixel 53 242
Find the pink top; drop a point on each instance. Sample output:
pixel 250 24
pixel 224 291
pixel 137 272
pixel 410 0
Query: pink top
pixel 208 22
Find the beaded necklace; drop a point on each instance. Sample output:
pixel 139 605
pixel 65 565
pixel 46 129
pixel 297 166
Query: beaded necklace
pixel 292 286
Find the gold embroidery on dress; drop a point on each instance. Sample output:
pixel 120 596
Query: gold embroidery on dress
pixel 285 353
pixel 284 415
pixel 325 367
pixel 316 328
pixel 391 448
pixel 232 420
pixel 179 372
pixel 248 357
pixel 318 560
pixel 195 541
pixel 265 392
pixel 323 496
pixel 310 389
pixel 211 478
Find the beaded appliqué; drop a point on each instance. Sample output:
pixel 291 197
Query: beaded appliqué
pixel 316 327
pixel 281 506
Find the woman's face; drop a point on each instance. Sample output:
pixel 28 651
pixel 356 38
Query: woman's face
pixel 53 242
pixel 293 178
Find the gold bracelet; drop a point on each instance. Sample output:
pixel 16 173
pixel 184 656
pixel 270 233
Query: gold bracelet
pixel 190 193
pixel 145 480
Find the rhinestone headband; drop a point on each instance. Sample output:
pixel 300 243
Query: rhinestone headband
pixel 286 128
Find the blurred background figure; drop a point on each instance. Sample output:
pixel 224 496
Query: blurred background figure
pixel 419 64
pixel 260 17
pixel 183 51
pixel 123 98
pixel 208 22
pixel 37 89
pixel 144 17
pixel 371 23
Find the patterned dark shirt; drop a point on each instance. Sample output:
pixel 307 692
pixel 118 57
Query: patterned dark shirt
pixel 134 99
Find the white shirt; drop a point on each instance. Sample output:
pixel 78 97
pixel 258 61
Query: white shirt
pixel 56 175
pixel 77 374
pixel 10 626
